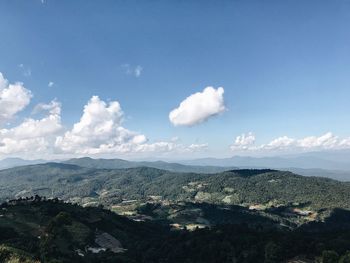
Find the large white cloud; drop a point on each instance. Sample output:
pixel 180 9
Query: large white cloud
pixel 13 99
pixel 100 131
pixel 198 107
pixel 33 136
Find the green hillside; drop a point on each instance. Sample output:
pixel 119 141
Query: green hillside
pixel 110 186
pixel 49 231
pixel 123 164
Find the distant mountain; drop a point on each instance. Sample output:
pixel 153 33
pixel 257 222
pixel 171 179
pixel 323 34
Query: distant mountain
pixel 304 161
pixel 308 165
pixel 121 164
pixel 13 162
pixel 334 174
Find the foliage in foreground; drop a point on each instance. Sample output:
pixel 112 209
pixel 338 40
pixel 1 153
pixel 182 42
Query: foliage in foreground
pixel 38 230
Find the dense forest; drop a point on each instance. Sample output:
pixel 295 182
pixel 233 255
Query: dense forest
pixel 39 230
pixel 235 187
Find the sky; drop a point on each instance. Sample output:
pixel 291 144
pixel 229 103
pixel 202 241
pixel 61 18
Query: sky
pixel 173 79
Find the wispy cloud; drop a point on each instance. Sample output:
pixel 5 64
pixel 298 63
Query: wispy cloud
pixel 327 141
pixel 135 71
pixel 26 71
pixel 138 71
pixel 50 84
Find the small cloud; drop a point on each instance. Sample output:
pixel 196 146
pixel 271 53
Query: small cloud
pixel 243 142
pixel 175 139
pixel 197 147
pixel 131 70
pixel 50 84
pixel 54 108
pixel 138 71
pixel 26 71
pixel 198 107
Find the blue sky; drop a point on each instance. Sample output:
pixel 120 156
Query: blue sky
pixel 284 65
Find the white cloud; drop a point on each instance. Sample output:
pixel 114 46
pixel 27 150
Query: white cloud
pixel 169 147
pixel 50 84
pixel 54 107
pixel 138 71
pixel 280 143
pixel 197 147
pixel 100 131
pixel 33 136
pixel 243 142
pixel 198 107
pixel 327 141
pixel 132 70
pixel 345 143
pixel 13 99
pixel 26 71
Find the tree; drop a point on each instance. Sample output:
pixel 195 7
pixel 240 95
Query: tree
pixel 345 258
pixel 330 256
pixel 273 253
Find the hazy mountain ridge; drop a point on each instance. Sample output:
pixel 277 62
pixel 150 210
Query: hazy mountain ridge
pixel 120 164
pixel 14 162
pixel 301 161
pixel 308 167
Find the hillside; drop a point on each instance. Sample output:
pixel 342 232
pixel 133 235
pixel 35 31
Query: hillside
pixel 123 164
pixel 36 230
pixel 52 231
pixel 182 199
pixel 234 187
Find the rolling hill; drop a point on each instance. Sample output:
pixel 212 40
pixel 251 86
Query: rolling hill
pixel 36 230
pixel 235 187
pixel 120 164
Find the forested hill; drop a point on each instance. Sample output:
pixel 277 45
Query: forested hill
pixel 244 215
pixel 121 164
pixel 50 231
pixel 235 187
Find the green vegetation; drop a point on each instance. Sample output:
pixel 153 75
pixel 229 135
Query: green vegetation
pixel 123 164
pixel 109 187
pixel 242 215
pixel 38 230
